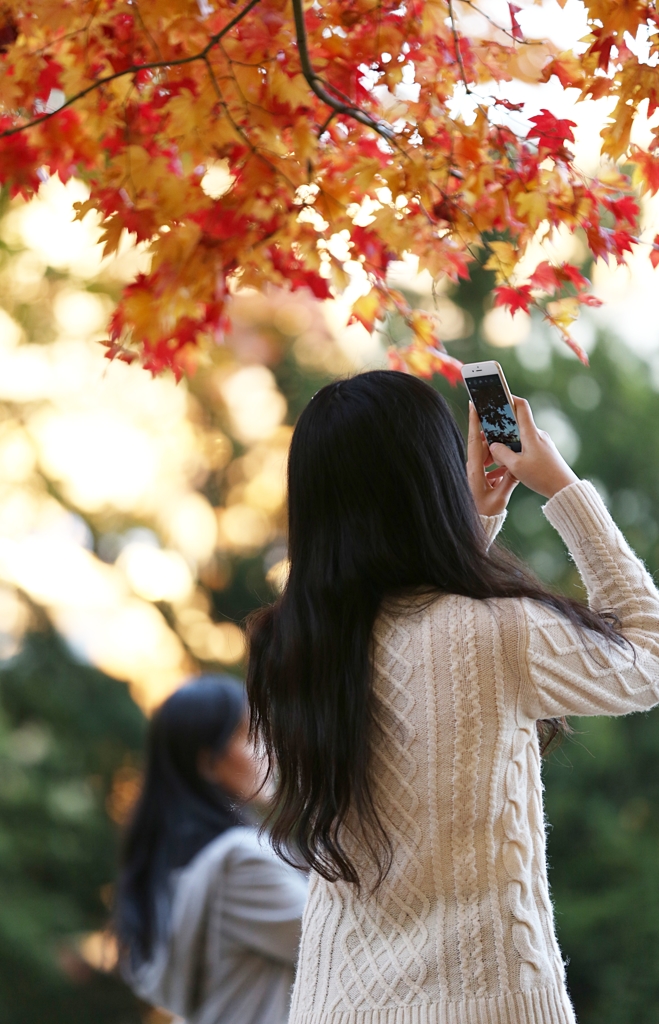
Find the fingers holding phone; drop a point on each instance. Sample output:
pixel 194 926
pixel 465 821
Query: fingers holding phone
pixel 515 443
pixel 539 465
pixel 491 488
pixel 489 391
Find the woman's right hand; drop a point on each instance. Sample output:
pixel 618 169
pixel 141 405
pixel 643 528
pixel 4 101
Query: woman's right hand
pixel 539 465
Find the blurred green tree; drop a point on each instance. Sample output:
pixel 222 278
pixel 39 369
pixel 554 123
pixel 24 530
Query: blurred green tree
pixel 70 740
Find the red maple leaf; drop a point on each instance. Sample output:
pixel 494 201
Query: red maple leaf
pixel 449 368
pixel 19 162
pixel 574 276
pixel 514 11
pixel 625 209
pixel 394 360
pixel 621 242
pixel 378 256
pixel 598 241
pixel 49 78
pixel 603 45
pixel 654 255
pixel 649 167
pixel 513 298
pixel 551 132
pixel 545 276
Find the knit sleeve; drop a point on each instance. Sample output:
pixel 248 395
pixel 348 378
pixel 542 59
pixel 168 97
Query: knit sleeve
pixel 263 901
pixel 492 525
pixel 576 671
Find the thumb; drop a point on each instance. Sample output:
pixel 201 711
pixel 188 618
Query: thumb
pixel 503 456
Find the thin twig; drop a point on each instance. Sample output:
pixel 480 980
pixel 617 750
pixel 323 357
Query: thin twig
pixel 135 69
pixel 238 128
pixel 494 24
pixel 154 44
pixel 317 85
pixel 326 123
pixel 456 43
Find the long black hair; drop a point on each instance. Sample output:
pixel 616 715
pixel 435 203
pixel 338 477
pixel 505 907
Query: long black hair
pixel 178 812
pixel 378 505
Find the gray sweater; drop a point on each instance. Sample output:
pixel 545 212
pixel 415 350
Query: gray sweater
pixel 234 929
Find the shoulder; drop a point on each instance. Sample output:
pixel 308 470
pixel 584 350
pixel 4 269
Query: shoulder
pixel 217 855
pixel 248 854
pixel 237 846
pixel 434 608
pixel 240 861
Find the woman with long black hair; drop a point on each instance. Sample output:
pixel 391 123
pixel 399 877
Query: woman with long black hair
pixel 404 685
pixel 207 918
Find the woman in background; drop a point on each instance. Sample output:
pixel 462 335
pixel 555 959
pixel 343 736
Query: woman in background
pixel 207 918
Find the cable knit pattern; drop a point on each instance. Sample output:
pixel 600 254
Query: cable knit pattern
pixel 381 948
pixel 468 735
pixel 462 930
pixel 518 858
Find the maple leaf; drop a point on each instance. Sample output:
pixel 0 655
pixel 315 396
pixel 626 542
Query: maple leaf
pixel 545 277
pixel 514 298
pixel 654 255
pixel 8 29
pixel 314 151
pixel 508 104
pixel 574 276
pixel 426 361
pixel 110 238
pixel 49 78
pixel 647 171
pixel 367 309
pixel 424 326
pixel 551 132
pixel 503 260
pixel 621 242
pixel 532 205
pixel 514 11
pixel 624 210
pixel 395 360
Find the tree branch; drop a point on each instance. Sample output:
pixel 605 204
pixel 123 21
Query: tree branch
pixel 135 69
pixel 318 87
pixel 456 43
pixel 494 24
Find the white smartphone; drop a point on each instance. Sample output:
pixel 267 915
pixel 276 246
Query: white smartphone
pixel 493 402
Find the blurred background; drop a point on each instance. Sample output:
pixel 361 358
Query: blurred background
pixel 141 520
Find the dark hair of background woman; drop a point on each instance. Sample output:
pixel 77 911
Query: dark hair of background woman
pixel 178 812
pixel 378 505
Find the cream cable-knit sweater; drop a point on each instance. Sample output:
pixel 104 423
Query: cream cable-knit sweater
pixel 462 930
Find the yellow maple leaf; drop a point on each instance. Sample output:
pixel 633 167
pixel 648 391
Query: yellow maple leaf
pixel 564 312
pixel 532 206
pixel 616 135
pixel 250 82
pixel 503 260
pixel 424 326
pixel 292 90
pixel 367 308
pixel 113 229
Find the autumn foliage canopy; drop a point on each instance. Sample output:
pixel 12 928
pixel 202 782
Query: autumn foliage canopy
pixel 318 120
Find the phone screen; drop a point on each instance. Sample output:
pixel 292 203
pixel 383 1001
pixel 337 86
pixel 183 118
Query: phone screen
pixel 493 408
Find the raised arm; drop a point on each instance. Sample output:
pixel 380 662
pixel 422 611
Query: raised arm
pixel 573 671
pixel 570 670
